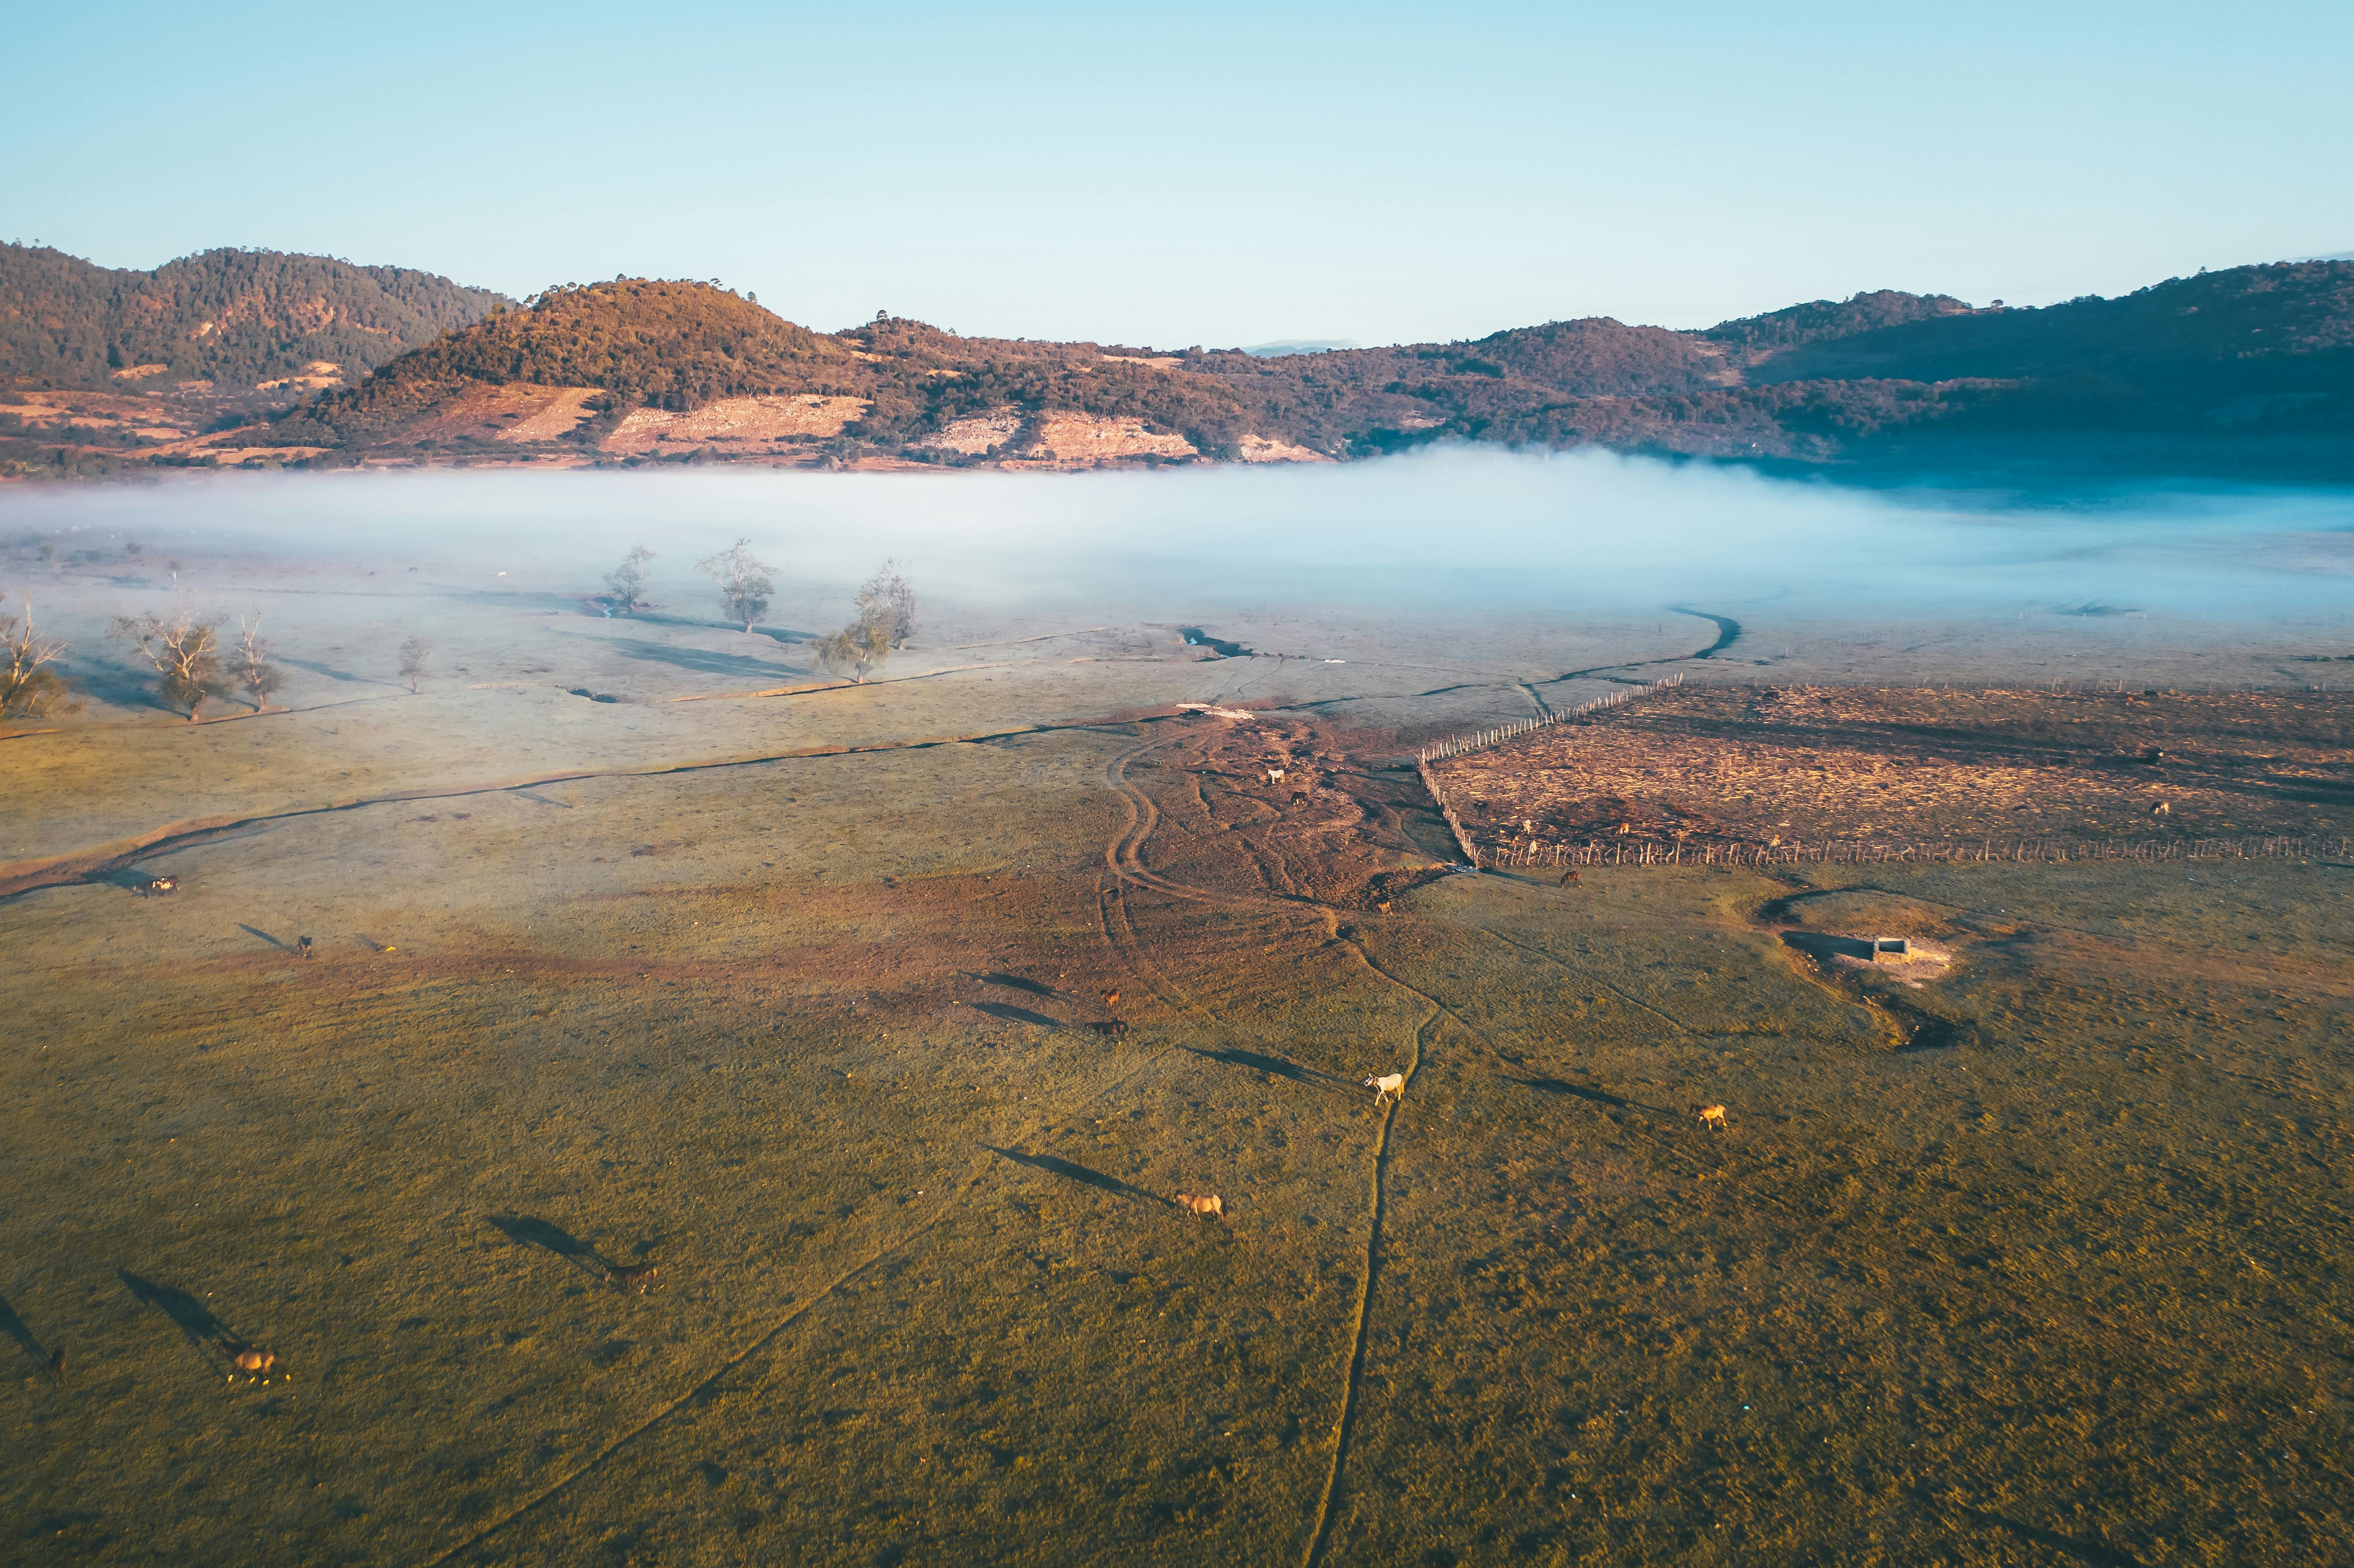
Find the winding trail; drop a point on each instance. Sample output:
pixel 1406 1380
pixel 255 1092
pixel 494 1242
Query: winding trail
pixel 24 876
pixel 1124 860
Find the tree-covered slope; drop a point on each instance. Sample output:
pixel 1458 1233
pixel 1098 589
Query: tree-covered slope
pixel 235 318
pixel 2250 370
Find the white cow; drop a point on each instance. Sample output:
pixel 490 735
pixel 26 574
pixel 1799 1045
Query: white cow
pixel 1392 1087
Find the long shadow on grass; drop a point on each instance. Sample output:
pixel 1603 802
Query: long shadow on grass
pixel 1012 1015
pixel 526 1230
pixel 1576 1091
pixel 702 662
pixel 206 1334
pixel 1055 1166
pixel 17 1330
pixel 2092 1551
pixel 1017 982
pixel 1306 1077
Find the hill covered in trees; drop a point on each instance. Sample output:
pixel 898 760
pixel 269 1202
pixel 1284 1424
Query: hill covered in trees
pixel 2249 371
pixel 234 318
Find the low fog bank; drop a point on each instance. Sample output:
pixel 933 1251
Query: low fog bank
pixel 1437 532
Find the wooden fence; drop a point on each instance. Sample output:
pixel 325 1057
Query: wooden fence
pixel 1857 852
pixel 1459 745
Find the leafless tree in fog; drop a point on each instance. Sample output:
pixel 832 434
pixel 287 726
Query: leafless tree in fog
pixel 184 650
pixel 889 595
pixel 415 658
pixel 250 661
pixel 626 584
pixel 29 689
pixel 745 581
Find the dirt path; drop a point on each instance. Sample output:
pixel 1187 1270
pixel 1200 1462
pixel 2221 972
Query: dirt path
pixel 1124 860
pixel 94 864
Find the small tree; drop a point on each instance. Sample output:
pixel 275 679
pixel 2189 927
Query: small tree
pixel 889 596
pixel 29 689
pixel 250 661
pixel 184 650
pixel 626 584
pixel 861 646
pixel 745 581
pixel 416 658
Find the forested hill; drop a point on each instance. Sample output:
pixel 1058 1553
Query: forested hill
pixel 679 346
pixel 2248 372
pixel 235 318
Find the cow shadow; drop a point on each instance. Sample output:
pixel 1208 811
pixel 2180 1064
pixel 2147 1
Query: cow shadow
pixel 528 1230
pixel 1055 1165
pixel 1017 982
pixel 15 1330
pixel 1575 1091
pixel 207 1334
pixel 1012 1015
pixel 258 931
pixel 1253 1061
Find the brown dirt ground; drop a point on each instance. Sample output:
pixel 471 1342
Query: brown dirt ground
pixel 1086 438
pixel 1761 765
pixel 1259 449
pixel 978 433
pixel 734 423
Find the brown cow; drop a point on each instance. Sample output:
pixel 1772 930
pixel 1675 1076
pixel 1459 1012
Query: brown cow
pixel 1712 1117
pixel 255 1362
pixel 1212 1204
pixel 622 1276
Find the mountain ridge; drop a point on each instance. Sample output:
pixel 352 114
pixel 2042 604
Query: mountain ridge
pixel 2251 368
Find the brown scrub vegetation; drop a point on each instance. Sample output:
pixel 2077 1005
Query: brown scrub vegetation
pixel 1733 765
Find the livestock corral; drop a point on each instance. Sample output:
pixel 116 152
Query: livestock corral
pixel 1699 770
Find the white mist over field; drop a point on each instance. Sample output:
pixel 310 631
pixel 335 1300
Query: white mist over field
pixel 1442 530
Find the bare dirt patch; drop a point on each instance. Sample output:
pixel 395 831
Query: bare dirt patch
pixel 736 423
pixel 1752 765
pixel 1088 439
pixel 1261 449
pixel 978 433
pixel 559 416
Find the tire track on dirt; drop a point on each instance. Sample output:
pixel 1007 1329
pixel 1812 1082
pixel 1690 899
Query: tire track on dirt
pixel 1125 858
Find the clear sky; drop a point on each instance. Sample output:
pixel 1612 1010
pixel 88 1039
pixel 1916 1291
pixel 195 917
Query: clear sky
pixel 1216 175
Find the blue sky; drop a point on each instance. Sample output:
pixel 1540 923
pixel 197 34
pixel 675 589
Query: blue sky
pixel 1210 174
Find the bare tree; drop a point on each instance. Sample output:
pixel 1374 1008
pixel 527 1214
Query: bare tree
pixel 626 584
pixel 888 595
pixel 416 658
pixel 29 689
pixel 250 660
pixel 184 650
pixel 745 581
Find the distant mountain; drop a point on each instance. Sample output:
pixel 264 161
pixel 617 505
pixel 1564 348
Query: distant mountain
pixel 235 318
pixel 1299 345
pixel 2248 371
